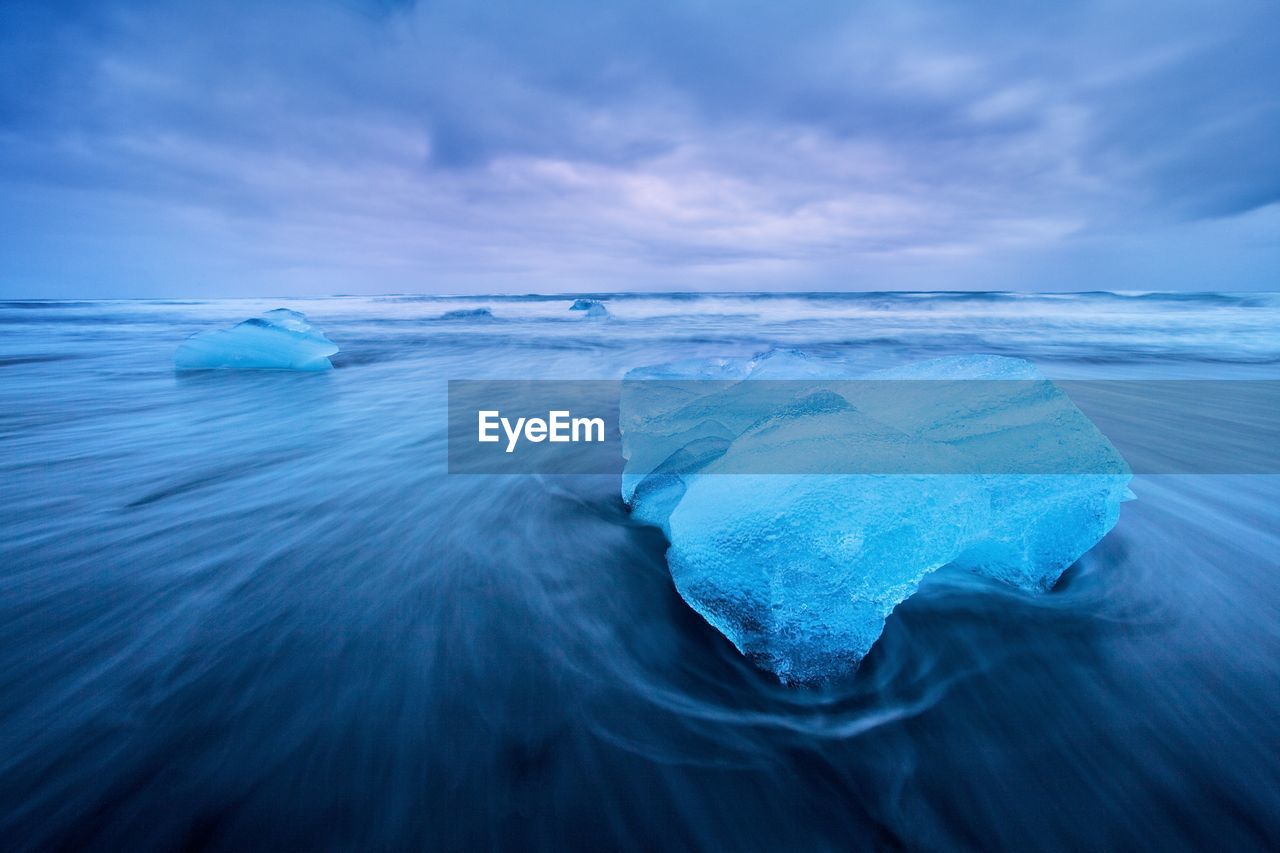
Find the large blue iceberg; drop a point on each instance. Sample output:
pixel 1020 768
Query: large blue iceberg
pixel 799 563
pixel 278 340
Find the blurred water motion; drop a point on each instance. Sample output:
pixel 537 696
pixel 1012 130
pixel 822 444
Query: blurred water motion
pixel 244 610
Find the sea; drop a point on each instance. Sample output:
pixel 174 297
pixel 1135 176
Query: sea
pixel 254 610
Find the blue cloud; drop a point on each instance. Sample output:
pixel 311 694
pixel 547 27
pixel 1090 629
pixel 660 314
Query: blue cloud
pixel 148 147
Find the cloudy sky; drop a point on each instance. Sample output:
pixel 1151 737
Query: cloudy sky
pixel 371 146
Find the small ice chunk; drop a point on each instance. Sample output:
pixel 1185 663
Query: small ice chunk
pixel 801 569
pixel 281 339
pixel 468 314
pixel 593 307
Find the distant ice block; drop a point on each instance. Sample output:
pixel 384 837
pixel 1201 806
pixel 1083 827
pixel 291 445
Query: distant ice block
pixel 278 340
pixel 593 307
pixel 801 569
pixel 468 314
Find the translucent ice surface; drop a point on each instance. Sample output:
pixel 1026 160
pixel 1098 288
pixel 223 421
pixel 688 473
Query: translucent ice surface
pixel 800 564
pixel 278 340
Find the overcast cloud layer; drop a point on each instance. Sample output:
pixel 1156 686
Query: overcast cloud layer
pixel 178 149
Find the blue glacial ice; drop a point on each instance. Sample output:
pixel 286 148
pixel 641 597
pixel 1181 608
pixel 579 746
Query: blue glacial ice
pixel 468 314
pixel 593 307
pixel 800 569
pixel 278 340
